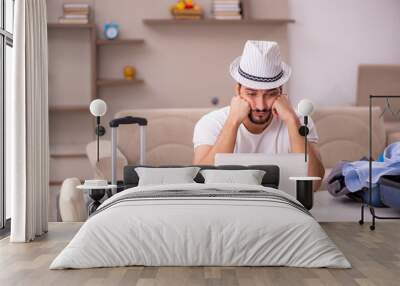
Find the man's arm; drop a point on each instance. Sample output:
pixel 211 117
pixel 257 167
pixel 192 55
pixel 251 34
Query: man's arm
pixel 205 154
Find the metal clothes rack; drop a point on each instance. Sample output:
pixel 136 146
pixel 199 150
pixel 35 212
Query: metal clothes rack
pixel 396 115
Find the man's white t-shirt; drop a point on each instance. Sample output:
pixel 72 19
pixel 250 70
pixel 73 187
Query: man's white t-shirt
pixel 273 140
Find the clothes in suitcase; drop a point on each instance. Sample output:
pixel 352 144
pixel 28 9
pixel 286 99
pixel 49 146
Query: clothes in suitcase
pixel 337 187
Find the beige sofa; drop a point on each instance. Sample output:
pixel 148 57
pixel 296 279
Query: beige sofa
pixel 343 135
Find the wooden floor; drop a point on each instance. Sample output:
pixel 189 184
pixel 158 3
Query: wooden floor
pixel 375 257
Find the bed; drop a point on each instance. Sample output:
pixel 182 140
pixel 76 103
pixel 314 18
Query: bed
pixel 201 224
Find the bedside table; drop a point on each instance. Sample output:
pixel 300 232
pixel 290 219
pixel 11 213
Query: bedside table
pixel 304 191
pixel 96 193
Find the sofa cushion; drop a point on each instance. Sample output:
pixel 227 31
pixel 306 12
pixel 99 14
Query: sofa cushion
pixel 343 133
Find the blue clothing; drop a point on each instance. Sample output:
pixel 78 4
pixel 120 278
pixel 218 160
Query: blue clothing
pixel 380 158
pixel 356 174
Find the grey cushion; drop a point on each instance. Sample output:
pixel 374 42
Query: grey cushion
pixel 248 177
pixel 162 176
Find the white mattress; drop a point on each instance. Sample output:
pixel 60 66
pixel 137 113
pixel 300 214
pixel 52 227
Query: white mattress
pixel 200 231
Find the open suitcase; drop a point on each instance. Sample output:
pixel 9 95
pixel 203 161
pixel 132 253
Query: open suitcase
pixel 114 124
pixel 390 191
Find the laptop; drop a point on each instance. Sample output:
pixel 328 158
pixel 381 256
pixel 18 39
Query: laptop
pixel 290 165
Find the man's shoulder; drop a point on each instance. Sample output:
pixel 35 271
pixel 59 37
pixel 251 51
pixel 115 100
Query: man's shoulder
pixel 209 126
pixel 218 115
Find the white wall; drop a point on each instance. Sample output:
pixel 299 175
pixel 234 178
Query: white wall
pixel 331 38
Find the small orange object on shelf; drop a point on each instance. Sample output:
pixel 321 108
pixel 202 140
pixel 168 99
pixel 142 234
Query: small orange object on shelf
pixel 187 10
pixel 129 72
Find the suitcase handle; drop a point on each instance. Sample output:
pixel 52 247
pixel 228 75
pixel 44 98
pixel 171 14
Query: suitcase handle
pixel 114 124
pixel 128 120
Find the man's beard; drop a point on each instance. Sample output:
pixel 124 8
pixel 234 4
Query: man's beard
pixel 261 120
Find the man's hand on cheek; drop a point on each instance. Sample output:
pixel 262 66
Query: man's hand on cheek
pixel 240 109
pixel 282 108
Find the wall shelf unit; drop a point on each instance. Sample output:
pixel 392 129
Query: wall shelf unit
pixel 91 27
pixel 63 151
pixel 101 42
pixel 83 108
pixel 170 21
pixel 55 183
pixel 70 26
pixel 96 43
pixel 117 82
pixel 67 151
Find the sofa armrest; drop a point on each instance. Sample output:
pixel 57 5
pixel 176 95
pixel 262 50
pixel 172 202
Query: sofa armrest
pixel 72 202
pixel 102 168
pixel 392 137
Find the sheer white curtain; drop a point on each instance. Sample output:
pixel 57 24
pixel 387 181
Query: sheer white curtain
pixel 27 134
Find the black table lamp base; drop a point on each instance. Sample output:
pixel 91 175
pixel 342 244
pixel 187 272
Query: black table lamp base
pixel 304 193
pixel 96 195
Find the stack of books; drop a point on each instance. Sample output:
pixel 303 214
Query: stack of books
pixel 75 13
pixel 227 9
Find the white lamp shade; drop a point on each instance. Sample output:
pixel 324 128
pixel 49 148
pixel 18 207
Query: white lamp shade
pixel 305 107
pixel 98 107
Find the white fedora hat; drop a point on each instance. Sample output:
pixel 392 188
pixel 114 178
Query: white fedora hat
pixel 260 66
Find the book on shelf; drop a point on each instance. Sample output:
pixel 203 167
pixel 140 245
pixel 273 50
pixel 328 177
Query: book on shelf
pixel 76 12
pixel 76 8
pixel 236 17
pixel 63 20
pixel 227 9
pixel 226 2
pixel 227 13
pixel 75 16
pixel 232 8
pixel 76 5
pixel 236 5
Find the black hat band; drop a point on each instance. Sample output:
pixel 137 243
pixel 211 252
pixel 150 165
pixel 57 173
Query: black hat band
pixel 260 79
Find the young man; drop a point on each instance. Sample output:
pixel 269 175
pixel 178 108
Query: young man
pixel 260 118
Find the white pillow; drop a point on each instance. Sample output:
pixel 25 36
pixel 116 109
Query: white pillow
pixel 163 176
pixel 249 177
